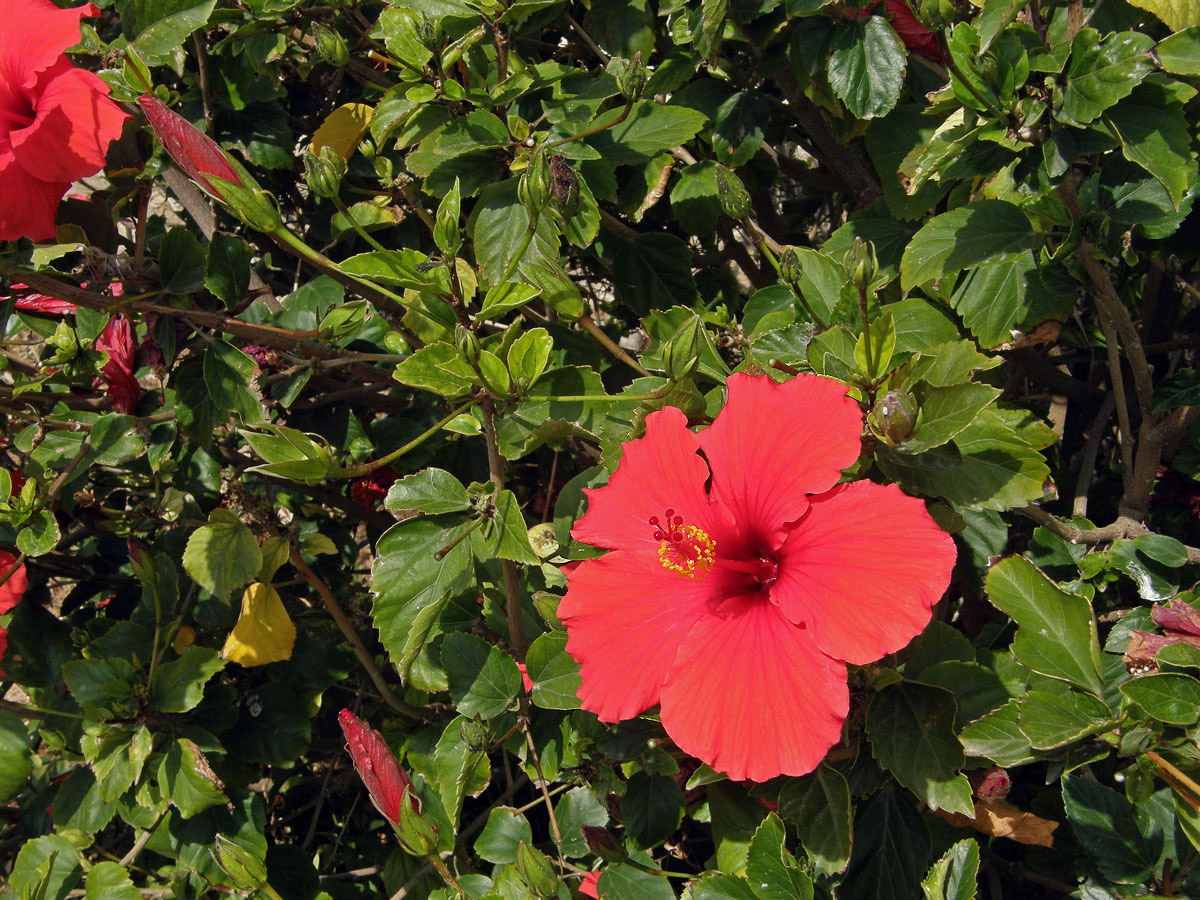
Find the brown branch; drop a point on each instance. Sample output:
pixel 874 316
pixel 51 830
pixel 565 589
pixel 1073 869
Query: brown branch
pixel 1123 527
pixel 609 344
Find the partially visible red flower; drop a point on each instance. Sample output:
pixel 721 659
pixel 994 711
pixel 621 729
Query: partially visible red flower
pixel 916 36
pixel 193 150
pixel 369 489
pixel 736 607
pixel 17 478
pixel 991 784
pixel 10 593
pixel 42 303
pixel 1180 621
pixel 588 887
pixel 386 782
pixel 117 341
pixel 526 681
pixel 56 121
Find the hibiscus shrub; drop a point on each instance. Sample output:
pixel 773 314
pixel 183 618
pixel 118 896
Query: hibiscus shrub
pixel 726 449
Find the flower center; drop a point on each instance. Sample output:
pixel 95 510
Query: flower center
pixel 685 549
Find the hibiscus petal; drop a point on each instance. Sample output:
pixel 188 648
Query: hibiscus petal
pixel 626 618
pixel 29 203
pixel 13 589
pixel 34 36
pixel 773 444
pixel 752 696
pixel 657 472
pixel 863 569
pixel 76 121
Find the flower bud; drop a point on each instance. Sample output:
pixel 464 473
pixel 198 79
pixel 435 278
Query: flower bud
pixel 601 842
pixel 475 734
pixel 390 788
pixel 564 187
pixel 468 345
pixel 895 416
pixel 991 784
pixel 140 560
pixel 533 187
pixel 536 871
pixel 417 832
pixel 330 44
pixel 631 76
pixel 681 354
pixel 735 199
pixel 790 267
pixel 191 149
pixel 246 870
pixel 323 172
pixel 862 263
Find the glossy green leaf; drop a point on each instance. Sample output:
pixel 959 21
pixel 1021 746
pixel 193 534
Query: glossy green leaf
pixel 1104 822
pixel 484 680
pixel 1053 718
pixel 506 828
pixel 222 555
pixel 652 808
pixel 1170 698
pixel 866 66
pixel 819 806
pixel 987 232
pixel 555 675
pixel 953 877
pixel 1102 72
pixel 178 685
pixel 431 491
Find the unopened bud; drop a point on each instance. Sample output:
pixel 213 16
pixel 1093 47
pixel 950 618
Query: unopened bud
pixel 564 187
pixel 323 171
pixel 140 559
pixel 681 354
pixel 536 871
pixel 475 734
pixel 895 416
pixel 601 842
pixel 468 345
pixel 735 199
pixel 991 784
pixel 330 44
pixel 533 187
pixel 416 830
pixel 790 267
pixel 631 76
pixel 244 868
pixel 862 263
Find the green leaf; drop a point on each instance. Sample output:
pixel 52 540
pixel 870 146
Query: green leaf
pixel 1104 822
pixel 1052 719
pixel 987 232
pixel 115 439
pixel 228 376
pixel 1162 549
pixel 911 729
pixel 78 805
pixel 953 877
pixel 694 198
pixel 438 368
pixel 994 300
pixel 182 262
pixel 46 868
pixel 187 781
pixel 104 686
pixel 738 130
pixel 508 536
pixel 1173 699
pixel 819 806
pixel 431 491
pixel 40 534
pixel 1180 388
pixel 167 24
pixel 222 555
pixel 178 685
pixel 529 355
pixel 228 274
pixel 648 129
pixel 1154 582
pixel 866 66
pixel 577 807
pixel 653 271
pixel 505 297
pixel 411 585
pixel 651 809
pixel 506 828
pixel 1154 134
pixel 446 232
pixel 554 673
pixel 945 412
pixel 109 881
pixel 1179 54
pixel 1102 72
pixel 891 849
pixel 771 868
pixel 723 887
pixel 1056 633
pixel 483 679
pixel 16 760
pixel 623 882
pixel 998 737
pixel 1177 14
pixel 460 770
pixel 909 151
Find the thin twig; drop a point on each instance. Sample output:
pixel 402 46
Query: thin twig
pixel 512 587
pixel 609 344
pixel 1123 527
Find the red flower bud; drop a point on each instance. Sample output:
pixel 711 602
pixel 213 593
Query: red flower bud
pixel 992 784
pixel 193 150
pixel 386 782
pixel 117 341
pixel 601 842
pixel 1177 616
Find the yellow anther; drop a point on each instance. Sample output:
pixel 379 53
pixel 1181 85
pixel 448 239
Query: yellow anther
pixel 690 553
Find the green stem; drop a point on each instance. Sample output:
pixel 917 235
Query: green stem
pixel 862 302
pixel 29 711
pixel 458 539
pixel 369 467
pixel 607 125
pixel 511 269
pixel 605 398
pixel 436 862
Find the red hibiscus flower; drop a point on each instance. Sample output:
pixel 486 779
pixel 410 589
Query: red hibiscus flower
pixel 193 150
pixel 117 341
pixel 736 606
pixel 369 489
pixel 10 592
pixel 916 36
pixel 56 121
pixel 42 303
pixel 588 887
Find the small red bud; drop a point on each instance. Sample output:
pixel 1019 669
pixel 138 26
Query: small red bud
pixel 193 150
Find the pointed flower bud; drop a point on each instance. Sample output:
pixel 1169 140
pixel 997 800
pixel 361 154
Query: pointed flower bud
pixel 193 150
pixel 862 263
pixel 681 354
pixel 246 870
pixel 894 416
pixel 536 871
pixel 601 842
pixel 631 76
pixel 330 44
pixel 734 198
pixel 386 782
pixel 533 187
pixel 790 266
pixel 323 171
pixel 991 784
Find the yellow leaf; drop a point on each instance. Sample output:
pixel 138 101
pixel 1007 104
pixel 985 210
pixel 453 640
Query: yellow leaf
pixel 343 129
pixel 1178 14
pixel 263 633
